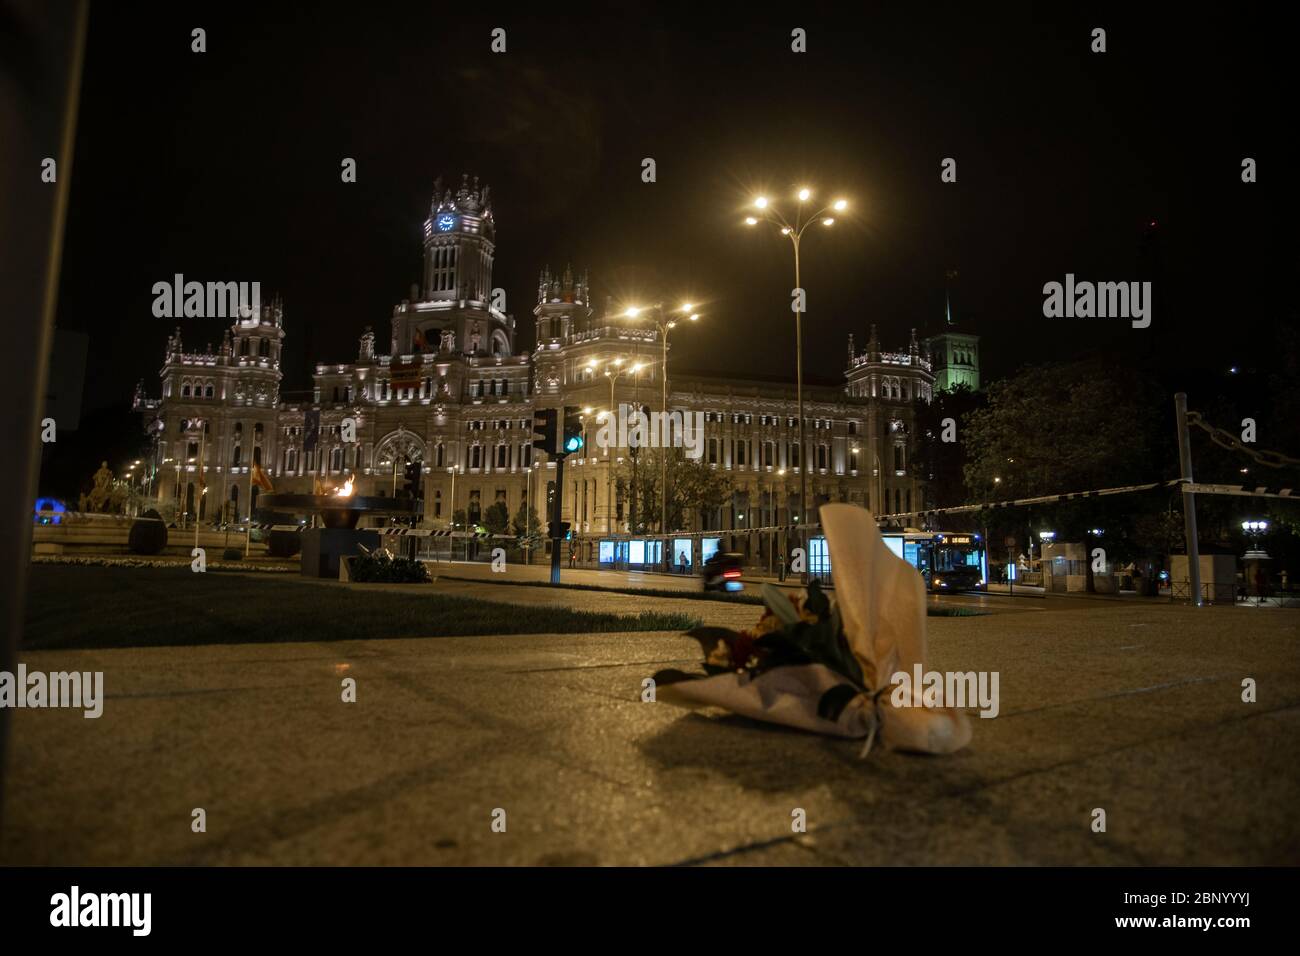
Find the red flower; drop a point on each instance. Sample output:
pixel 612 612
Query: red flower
pixel 742 648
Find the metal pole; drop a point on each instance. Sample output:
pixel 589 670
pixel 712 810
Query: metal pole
pixel 556 517
pixel 612 422
pixel 1189 499
pixel 663 429
pixel 800 532
pixel 39 86
pixel 198 483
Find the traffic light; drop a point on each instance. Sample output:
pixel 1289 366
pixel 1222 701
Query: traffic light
pixel 573 440
pixel 412 475
pixel 557 529
pixel 634 449
pixel 544 430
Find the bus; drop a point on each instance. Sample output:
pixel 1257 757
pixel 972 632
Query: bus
pixel 947 560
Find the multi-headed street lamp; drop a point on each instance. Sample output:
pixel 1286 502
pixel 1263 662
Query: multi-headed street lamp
pixel 794 232
pixel 665 323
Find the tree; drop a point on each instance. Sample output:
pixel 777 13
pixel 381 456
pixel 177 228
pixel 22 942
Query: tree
pixel 1061 428
pixel 527 527
pixel 458 520
pixel 697 488
pixel 693 487
pixel 496 519
pixel 939 463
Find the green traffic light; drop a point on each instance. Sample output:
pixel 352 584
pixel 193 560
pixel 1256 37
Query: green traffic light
pixel 573 443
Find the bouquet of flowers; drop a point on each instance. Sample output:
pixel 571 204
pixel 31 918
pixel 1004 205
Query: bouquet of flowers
pixel 824 665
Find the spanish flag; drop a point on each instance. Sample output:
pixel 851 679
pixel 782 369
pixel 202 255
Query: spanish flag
pixel 260 478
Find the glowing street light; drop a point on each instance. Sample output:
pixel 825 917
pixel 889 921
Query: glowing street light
pixel 794 232
pixel 664 324
pixel 612 374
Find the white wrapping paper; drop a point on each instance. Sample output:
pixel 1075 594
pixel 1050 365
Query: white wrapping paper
pixel 881 599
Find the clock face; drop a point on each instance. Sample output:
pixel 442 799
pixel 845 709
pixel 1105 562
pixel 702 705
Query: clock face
pixel 446 223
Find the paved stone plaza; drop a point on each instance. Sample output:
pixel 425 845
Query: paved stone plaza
pixel 1131 707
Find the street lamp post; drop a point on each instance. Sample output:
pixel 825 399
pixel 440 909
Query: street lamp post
pixel 1253 558
pixel 532 508
pixel 664 325
pixel 795 234
pixel 612 420
pixel 451 516
pixel 201 484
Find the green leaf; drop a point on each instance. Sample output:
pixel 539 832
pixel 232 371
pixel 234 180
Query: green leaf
pixel 779 604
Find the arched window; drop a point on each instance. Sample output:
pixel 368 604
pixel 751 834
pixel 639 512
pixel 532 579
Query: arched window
pixel 243 346
pixel 234 461
pixel 264 348
pixel 185 389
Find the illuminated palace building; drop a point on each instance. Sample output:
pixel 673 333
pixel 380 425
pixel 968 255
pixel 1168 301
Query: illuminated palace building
pixel 453 394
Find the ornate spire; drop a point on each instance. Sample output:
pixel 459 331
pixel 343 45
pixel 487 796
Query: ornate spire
pixel 950 275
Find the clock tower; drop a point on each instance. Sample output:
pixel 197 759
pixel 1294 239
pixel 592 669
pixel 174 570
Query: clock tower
pixel 459 238
pixel 455 295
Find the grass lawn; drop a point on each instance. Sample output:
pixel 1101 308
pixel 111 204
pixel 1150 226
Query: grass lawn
pixel 86 607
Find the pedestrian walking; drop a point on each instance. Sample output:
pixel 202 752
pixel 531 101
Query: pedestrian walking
pixel 780 566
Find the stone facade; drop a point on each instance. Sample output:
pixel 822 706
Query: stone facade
pixel 453 393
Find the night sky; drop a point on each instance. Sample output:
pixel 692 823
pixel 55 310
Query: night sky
pixel 225 166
